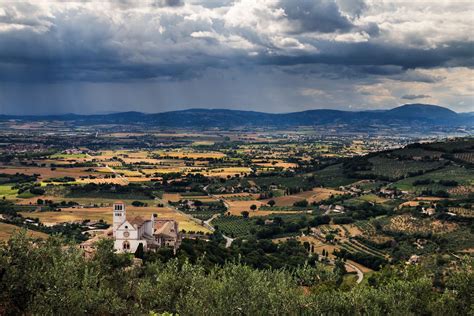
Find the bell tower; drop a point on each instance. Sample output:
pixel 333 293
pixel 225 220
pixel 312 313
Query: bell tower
pixel 119 215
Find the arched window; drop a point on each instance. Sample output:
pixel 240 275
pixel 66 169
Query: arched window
pixel 126 245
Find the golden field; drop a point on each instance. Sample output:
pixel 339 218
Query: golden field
pixel 6 230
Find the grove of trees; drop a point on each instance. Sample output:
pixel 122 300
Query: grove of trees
pixel 45 277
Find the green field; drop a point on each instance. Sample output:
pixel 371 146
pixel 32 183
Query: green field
pixel 7 191
pixel 462 175
pixel 234 226
pixel 68 156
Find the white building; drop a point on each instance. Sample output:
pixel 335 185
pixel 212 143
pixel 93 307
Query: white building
pixel 129 233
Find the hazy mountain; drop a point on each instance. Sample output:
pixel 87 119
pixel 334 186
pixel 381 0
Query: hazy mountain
pixel 426 111
pixel 405 114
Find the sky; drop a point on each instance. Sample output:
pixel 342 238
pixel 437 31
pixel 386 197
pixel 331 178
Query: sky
pixel 264 55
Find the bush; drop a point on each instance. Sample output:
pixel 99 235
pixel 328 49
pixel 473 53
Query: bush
pixel 139 204
pixel 342 220
pixel 448 183
pixel 37 191
pixel 302 203
pixel 422 182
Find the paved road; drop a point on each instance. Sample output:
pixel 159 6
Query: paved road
pixel 360 275
pixel 208 225
pixel 124 179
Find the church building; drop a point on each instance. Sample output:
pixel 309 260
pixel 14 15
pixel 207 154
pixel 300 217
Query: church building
pixel 153 233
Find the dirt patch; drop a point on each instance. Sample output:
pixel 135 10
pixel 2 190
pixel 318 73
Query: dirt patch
pixel 237 207
pixel 173 197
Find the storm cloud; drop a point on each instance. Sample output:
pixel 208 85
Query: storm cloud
pixel 415 96
pixel 377 52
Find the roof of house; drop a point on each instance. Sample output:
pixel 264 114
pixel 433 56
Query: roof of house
pixel 166 227
pixel 137 221
pixel 107 233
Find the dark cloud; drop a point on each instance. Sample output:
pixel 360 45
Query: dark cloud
pixel 352 7
pixel 372 54
pixel 315 16
pixel 415 96
pixel 169 3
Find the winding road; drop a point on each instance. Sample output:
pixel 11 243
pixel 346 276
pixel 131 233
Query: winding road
pixel 207 224
pixel 360 274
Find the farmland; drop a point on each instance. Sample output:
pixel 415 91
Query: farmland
pixel 342 196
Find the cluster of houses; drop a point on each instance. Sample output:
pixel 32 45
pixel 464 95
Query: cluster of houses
pixel 238 188
pixel 382 192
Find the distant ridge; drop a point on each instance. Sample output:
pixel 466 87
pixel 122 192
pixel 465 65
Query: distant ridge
pixel 404 115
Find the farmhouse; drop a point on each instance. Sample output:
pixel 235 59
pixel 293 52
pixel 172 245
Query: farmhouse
pixel 428 211
pixel 153 233
pixel 332 208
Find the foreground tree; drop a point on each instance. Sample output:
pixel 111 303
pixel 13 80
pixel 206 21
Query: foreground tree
pixel 48 277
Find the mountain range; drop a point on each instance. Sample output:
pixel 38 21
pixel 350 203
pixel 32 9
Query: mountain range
pixel 430 115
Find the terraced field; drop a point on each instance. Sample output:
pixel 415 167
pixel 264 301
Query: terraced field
pixel 393 168
pixel 467 157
